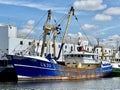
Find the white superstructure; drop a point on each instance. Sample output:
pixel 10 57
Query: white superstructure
pixel 10 43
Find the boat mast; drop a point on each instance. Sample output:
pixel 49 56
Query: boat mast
pixel 47 28
pixel 98 46
pixel 68 22
pixel 54 42
pixel 45 32
pixel 71 12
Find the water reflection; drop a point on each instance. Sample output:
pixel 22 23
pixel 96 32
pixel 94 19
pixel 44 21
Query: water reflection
pixel 91 84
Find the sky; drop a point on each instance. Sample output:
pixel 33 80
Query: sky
pixel 96 18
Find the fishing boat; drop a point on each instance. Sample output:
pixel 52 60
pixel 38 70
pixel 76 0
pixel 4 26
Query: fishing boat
pixel 116 64
pixel 82 58
pixel 33 67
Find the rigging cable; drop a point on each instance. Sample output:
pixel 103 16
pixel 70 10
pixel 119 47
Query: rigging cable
pixel 29 33
pixel 82 30
pixel 60 21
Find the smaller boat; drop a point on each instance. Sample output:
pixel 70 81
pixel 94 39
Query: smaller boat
pixel 116 68
pixel 87 60
pixel 116 65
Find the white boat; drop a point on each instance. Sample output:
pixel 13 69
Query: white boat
pixel 87 60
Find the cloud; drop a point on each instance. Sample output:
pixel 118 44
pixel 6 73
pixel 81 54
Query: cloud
pixel 37 5
pixel 89 5
pixel 112 11
pixel 114 40
pixel 103 17
pixel 31 22
pixel 89 27
pixel 1 24
pixel 102 31
pixel 114 37
pixel 111 41
pixel 4 1
pixel 107 14
pixel 75 38
pixel 27 29
pixel 43 7
pixel 108 28
pixel 99 33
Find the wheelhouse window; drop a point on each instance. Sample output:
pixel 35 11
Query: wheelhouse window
pixel 21 42
pixel 78 55
pixel 87 49
pixel 72 55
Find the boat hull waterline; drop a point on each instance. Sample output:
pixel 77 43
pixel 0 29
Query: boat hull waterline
pixel 28 68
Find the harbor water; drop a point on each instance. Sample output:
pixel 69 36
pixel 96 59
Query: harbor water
pixel 90 84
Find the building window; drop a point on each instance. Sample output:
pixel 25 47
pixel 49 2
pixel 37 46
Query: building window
pixel 65 46
pixel 29 43
pixel 71 48
pixel 52 54
pixel 59 46
pixel 45 44
pixel 105 50
pixel 10 27
pixel 53 45
pixel 37 44
pixel 45 54
pixel 97 50
pixel 21 42
pixel 105 57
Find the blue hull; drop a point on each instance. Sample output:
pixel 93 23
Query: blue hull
pixel 31 67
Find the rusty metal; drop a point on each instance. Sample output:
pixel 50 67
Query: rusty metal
pixel 69 73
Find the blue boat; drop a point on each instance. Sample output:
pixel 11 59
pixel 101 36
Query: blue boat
pixel 29 67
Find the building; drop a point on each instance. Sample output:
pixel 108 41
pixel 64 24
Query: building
pixel 12 44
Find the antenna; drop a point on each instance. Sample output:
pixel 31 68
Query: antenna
pixel 8 21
